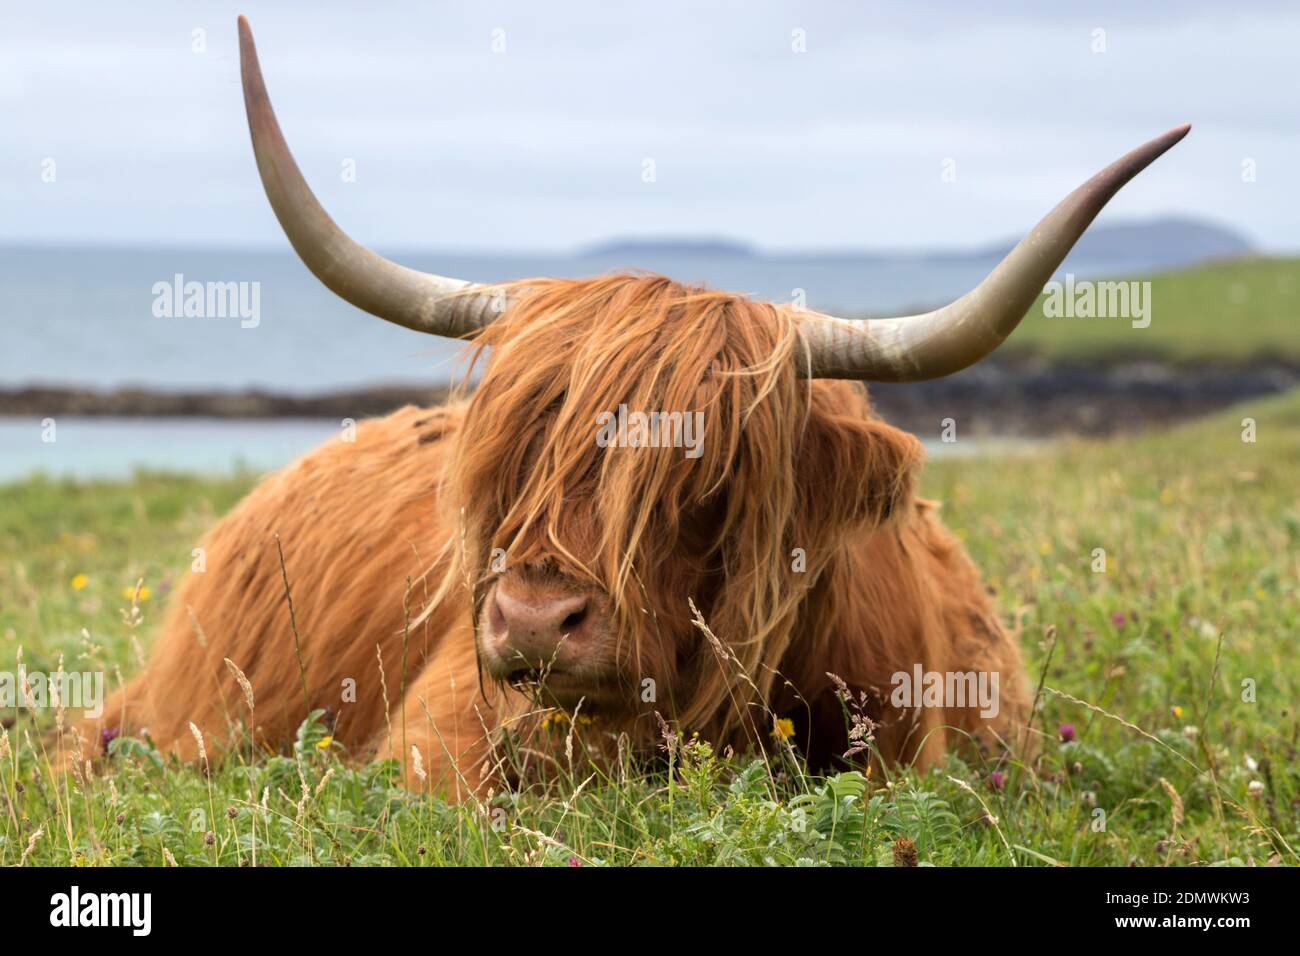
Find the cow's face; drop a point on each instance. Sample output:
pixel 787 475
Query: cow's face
pixel 634 447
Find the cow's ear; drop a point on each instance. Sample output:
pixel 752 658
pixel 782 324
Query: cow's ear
pixel 853 469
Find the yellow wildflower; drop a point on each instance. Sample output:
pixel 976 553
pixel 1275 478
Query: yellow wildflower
pixel 324 743
pixel 554 719
pixel 782 728
pixel 79 582
pixel 557 717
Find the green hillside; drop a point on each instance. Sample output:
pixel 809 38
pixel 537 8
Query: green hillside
pixel 1236 311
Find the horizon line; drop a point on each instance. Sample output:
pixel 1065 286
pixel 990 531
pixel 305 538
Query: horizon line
pixel 740 248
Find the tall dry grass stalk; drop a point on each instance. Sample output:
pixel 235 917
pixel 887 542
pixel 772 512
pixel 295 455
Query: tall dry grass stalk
pixel 31 845
pixel 244 685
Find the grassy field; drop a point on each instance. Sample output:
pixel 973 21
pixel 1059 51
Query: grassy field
pixel 1168 700
pixel 1234 311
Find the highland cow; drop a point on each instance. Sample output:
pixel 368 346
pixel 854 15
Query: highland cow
pixel 455 575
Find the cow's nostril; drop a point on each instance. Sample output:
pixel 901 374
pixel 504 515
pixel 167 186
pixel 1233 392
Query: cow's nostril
pixel 496 616
pixel 574 619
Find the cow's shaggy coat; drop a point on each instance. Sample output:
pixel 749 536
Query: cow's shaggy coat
pixel 796 533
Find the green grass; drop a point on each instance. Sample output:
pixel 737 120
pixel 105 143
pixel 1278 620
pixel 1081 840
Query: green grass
pixel 1202 539
pixel 1233 311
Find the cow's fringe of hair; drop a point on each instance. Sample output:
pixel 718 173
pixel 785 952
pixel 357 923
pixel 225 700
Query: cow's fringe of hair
pixel 567 350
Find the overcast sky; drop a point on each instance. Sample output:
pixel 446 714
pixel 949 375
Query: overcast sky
pixel 544 144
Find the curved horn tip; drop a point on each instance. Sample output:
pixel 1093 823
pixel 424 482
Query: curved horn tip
pixel 246 47
pixel 1175 135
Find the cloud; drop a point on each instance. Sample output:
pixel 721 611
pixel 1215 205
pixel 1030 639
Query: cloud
pixel 543 146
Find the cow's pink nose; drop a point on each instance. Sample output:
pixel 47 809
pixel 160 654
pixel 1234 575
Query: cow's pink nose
pixel 529 632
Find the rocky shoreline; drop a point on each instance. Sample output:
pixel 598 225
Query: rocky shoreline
pixel 1038 399
pixel 1012 398
pixel 250 404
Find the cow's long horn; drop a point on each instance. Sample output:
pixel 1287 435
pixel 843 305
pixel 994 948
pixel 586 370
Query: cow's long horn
pixel 938 343
pixel 417 300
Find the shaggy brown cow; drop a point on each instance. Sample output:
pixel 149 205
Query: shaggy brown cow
pixel 453 572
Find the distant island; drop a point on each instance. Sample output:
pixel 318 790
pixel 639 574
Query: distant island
pixel 637 248
pixel 1173 240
